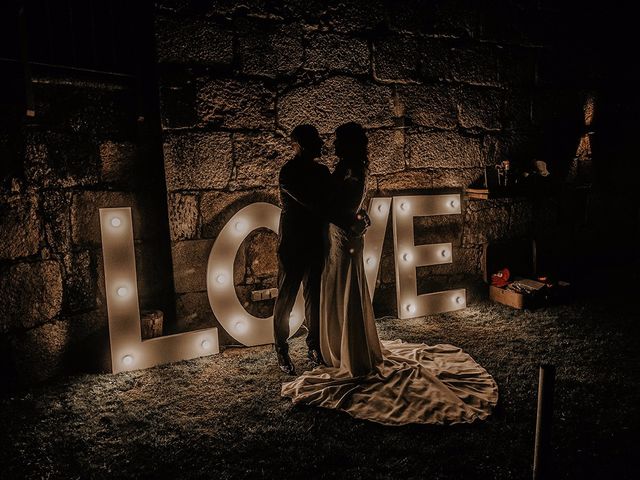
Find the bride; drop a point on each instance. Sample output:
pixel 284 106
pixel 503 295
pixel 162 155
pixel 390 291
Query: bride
pixel 389 382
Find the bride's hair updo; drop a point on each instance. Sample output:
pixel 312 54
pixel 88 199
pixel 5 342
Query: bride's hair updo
pixel 351 145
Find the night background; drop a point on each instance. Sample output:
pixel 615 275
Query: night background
pixel 182 110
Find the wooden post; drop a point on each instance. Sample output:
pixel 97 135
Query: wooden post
pixel 541 469
pixel 30 109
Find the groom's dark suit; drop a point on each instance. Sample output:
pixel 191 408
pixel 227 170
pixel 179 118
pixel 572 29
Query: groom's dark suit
pixel 303 230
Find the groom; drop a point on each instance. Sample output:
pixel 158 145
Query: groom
pixel 303 230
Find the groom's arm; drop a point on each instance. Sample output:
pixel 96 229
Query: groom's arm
pixel 311 191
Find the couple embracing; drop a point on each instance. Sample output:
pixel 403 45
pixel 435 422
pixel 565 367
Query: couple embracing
pixel 321 241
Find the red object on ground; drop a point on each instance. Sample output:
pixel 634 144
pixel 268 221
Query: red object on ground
pixel 500 278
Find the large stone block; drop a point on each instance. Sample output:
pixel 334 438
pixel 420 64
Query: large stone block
pixel 20 229
pixel 396 59
pixel 192 41
pixel 259 159
pixel 406 181
pixel 233 104
pixel 441 60
pixel 40 353
pixel 335 101
pixel 261 256
pixel 455 177
pixel 183 216
pixel 270 53
pixel 63 160
pixel 193 312
pixel 118 161
pixel 480 107
pixel 195 161
pixel 444 149
pixel 485 223
pixel 386 151
pixel 436 60
pixel 80 282
pixel 476 65
pixel 30 294
pixel 429 106
pixel 190 265
pixel 331 52
pixel 57 219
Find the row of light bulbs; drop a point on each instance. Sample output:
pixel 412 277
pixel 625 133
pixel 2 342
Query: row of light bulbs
pixel 241 326
pixel 407 257
pixel 406 205
pixel 457 299
pixel 128 359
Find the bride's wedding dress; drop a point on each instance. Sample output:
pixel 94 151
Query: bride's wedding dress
pixel 389 382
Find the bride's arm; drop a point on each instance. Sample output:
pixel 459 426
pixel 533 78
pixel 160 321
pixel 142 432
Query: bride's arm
pixel 345 200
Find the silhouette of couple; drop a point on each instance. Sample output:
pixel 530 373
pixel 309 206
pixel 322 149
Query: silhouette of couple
pixel 322 229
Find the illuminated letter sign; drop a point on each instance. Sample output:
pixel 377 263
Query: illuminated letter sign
pixel 128 351
pixel 240 324
pixel 409 256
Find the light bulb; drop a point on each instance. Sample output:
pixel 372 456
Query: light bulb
pixel 122 291
pixel 240 226
pixel 444 253
pixel 370 261
pixel 406 257
pixel 127 360
pixel 381 207
pixel 206 344
pixel 240 326
pixel 221 278
pixel 458 300
pixel 453 203
pixel 116 222
pixel 411 308
pixel 404 206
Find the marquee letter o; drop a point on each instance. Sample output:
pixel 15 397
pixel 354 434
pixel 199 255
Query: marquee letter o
pixel 240 324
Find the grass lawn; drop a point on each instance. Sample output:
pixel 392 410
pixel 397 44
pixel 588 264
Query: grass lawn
pixel 223 417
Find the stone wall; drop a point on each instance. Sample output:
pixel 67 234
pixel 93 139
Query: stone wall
pixel 80 152
pixel 443 89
